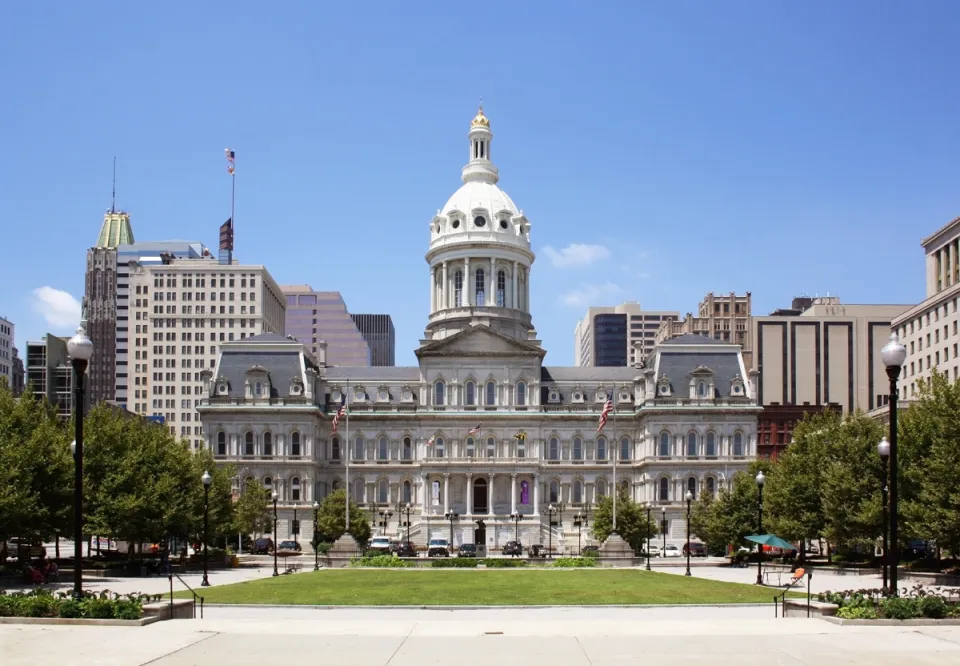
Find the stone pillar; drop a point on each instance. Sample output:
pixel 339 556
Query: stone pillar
pixel 513 286
pixel 490 495
pixel 445 289
pixel 469 494
pixel 513 493
pixel 433 289
pixel 446 492
pixel 468 284
pixel 536 494
pixel 492 291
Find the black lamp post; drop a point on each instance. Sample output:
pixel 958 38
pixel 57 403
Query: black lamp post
pixel 649 524
pixel 206 479
pixel 406 511
pixel 689 498
pixel 316 540
pixel 578 521
pixel 893 354
pixel 551 509
pixel 883 448
pixel 384 520
pixel 451 516
pixel 516 518
pixel 80 350
pixel 760 479
pixel 275 497
pixel 295 528
pixel 663 528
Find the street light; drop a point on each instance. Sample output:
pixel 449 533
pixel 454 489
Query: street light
pixel 385 518
pixel 206 479
pixel 883 449
pixel 295 528
pixel 275 497
pixel 406 510
pixel 760 479
pixel 80 350
pixel 689 498
pixel 649 509
pixel 316 539
pixel 516 518
pixel 893 354
pixel 663 528
pixel 579 520
pixel 451 516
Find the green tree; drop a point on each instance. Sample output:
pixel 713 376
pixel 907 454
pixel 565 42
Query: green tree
pixel 631 520
pixel 331 522
pixel 252 509
pixel 36 469
pixel 222 508
pixel 725 520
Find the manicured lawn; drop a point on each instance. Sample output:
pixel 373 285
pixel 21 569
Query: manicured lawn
pixel 349 587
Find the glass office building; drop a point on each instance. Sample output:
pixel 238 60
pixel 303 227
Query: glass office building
pixel 378 331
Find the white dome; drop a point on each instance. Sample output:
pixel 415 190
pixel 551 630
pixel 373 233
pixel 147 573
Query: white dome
pixel 480 195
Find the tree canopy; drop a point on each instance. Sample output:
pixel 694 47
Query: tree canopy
pixel 631 520
pixel 331 521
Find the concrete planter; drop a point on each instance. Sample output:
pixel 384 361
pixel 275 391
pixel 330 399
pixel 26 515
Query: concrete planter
pixel 929 578
pixel 798 608
pixel 80 621
pixel 182 609
pixel 919 622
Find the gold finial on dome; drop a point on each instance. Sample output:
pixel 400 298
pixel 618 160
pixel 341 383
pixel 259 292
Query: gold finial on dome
pixel 480 120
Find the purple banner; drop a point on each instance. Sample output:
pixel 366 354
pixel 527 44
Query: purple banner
pixel 524 493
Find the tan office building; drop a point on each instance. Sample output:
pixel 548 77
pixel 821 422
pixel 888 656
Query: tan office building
pixel 723 317
pixel 929 330
pixel 828 353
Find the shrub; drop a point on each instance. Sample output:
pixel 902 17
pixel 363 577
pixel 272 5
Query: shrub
pixel 498 563
pixel 901 608
pixel 42 603
pixel 574 562
pixel 454 563
pixel 324 547
pixel 380 561
pixel 857 613
pixel 933 607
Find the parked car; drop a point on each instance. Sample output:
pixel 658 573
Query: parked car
pixel 247 542
pixel 380 543
pixel 290 546
pixel 590 551
pixel 671 551
pixel 406 549
pixel 438 548
pixel 697 549
pixel 654 551
pixel 263 546
pixel 513 548
pixel 467 550
pixel 537 550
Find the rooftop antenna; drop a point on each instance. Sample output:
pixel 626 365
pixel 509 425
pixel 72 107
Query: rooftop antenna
pixel 113 202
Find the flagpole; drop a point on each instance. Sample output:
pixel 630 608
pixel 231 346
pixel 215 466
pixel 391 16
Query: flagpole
pixel 346 459
pixel 616 454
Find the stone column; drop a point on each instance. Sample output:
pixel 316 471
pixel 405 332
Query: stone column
pixel 433 289
pixel 536 494
pixel 468 284
pixel 490 478
pixel 469 494
pixel 445 289
pixel 446 492
pixel 513 493
pixel 513 286
pixel 492 291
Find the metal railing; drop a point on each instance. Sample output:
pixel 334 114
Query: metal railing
pixel 192 591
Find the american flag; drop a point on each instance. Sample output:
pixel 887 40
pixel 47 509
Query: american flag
pixel 231 160
pixel 605 412
pixel 430 441
pixel 475 430
pixel 341 412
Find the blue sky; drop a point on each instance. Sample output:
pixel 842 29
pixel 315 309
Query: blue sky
pixel 776 147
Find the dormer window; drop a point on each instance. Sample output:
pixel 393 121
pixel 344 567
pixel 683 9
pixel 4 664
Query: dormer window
pixel 407 394
pixel 258 389
pixel 383 395
pixel 336 395
pixel 554 395
pixel 479 221
pixel 296 386
pixel 702 389
pixel 577 395
pixel 359 394
pixel 737 387
pixel 601 396
pixel 663 386
pixel 222 388
pixel 455 223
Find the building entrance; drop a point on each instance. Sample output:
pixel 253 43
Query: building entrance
pixel 480 504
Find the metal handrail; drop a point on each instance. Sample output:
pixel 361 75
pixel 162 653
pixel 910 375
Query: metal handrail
pixel 192 591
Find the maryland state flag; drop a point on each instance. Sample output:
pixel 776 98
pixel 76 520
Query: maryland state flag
pixel 521 436
pixel 226 235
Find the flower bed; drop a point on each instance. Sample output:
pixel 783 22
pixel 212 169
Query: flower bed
pixel 872 604
pixel 104 605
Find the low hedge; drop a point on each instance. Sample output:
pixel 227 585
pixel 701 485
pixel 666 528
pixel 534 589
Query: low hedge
pixel 871 604
pixel 574 562
pixel 380 562
pixel 104 605
pixel 472 563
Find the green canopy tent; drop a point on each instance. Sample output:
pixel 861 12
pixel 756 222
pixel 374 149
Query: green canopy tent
pixel 771 540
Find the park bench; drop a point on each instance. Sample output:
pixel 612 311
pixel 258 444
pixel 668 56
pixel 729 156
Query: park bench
pixel 778 573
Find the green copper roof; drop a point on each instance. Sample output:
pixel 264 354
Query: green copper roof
pixel 116 230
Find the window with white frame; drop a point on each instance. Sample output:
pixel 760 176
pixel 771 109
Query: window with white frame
pixel 625 449
pixel 711 444
pixel 267 444
pixel 577 448
pixel 664 449
pixel 221 443
pixel 501 289
pixel 470 397
pixel 295 489
pixel 664 494
pixel 521 393
pixel 601 488
pixel 458 288
pixel 692 487
pixel 491 447
pixel 358 447
pixel 554 491
pixel 438 447
pixel 711 486
pixel 471 447
pixel 383 448
pixel 480 290
pixel 358 491
pixel 383 491
pixel 491 394
pixel 554 450
pixel 601 448
pixel 577 491
pixel 692 444
pixel 407 449
pixel 407 492
pixel 738 444
pixel 439 393
pixel 335 449
pixel 295 443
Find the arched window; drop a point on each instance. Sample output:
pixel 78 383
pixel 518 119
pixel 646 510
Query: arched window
pixel 257 389
pixel 458 288
pixel 358 488
pixel 711 486
pixel 491 447
pixel 702 389
pixel 295 444
pixel 481 292
pixel 577 492
pixel 337 484
pixel 625 449
pixel 711 444
pixel 267 444
pixel 554 451
pixel 471 394
pixel 383 491
pixel 692 443
pixel 554 491
pixel 471 447
pixel 601 488
pixel 577 448
pixel 664 494
pixel 358 447
pixel 295 489
pixel 407 449
pixel 383 449
pixel 692 487
pixel 664 444
pixel 407 492
pixel 521 393
pixel 335 449
pixel 268 483
pixel 738 444
pixel 439 393
pixel 221 443
pixel 491 394
pixel 601 448
pixel 438 447
pixel 501 289
pixel 248 444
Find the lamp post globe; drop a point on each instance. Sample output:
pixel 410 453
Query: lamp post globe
pixel 760 479
pixel 80 351
pixel 893 354
pixel 73 448
pixel 883 448
pixel 206 479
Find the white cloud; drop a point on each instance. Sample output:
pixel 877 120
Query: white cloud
pixel 59 308
pixel 589 294
pixel 576 254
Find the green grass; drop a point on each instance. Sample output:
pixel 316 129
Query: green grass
pixel 451 587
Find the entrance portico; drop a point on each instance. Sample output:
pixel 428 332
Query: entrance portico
pixel 482 494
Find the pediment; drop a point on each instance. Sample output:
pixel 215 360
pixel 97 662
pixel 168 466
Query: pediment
pixel 479 341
